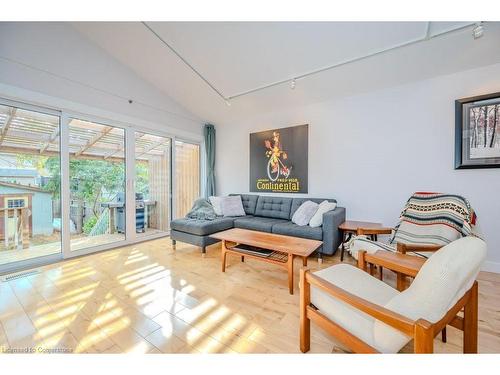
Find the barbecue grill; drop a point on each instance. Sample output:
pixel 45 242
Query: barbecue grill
pixel 139 213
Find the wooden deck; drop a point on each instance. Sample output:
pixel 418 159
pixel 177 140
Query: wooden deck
pixel 10 256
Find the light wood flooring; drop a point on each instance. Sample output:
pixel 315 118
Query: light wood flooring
pixel 146 298
pixel 54 247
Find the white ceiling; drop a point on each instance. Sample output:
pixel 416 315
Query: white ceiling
pixel 238 57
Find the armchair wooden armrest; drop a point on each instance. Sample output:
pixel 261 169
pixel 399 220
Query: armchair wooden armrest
pixel 387 316
pixel 408 265
pixel 404 248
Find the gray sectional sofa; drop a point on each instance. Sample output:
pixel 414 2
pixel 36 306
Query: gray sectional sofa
pixel 266 214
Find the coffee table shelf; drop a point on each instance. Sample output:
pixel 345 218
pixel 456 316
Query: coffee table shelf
pixel 284 248
pixel 275 255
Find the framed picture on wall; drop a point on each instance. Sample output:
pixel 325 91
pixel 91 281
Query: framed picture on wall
pixel 477 132
pixel 278 160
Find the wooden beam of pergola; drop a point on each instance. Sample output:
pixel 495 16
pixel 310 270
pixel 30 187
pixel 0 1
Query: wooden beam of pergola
pixel 121 148
pixel 8 121
pixel 93 140
pixel 51 139
pixel 152 147
pixel 35 151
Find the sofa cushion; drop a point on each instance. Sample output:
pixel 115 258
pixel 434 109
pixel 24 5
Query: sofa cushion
pixel 297 202
pixel 274 207
pixel 202 227
pixel 324 207
pixel 216 203
pixel 232 206
pixel 305 213
pixel 262 224
pixel 290 229
pixel 249 202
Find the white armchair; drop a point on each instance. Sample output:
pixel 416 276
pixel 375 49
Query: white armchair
pixel 369 316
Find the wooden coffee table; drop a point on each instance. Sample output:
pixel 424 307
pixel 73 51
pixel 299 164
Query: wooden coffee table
pixel 281 250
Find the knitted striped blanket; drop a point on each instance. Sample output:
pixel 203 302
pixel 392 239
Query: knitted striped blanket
pixel 426 219
pixel 434 219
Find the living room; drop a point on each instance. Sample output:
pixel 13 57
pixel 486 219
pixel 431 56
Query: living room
pixel 277 184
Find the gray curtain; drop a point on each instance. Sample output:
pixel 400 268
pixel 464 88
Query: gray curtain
pixel 209 133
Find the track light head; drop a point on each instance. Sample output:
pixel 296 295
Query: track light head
pixel 292 84
pixel 478 30
pixel 228 102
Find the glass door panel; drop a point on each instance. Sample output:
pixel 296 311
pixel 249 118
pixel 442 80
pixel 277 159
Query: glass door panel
pixel 187 176
pixel 152 183
pixel 97 184
pixel 30 194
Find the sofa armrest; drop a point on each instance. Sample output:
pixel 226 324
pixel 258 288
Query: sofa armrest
pixel 331 233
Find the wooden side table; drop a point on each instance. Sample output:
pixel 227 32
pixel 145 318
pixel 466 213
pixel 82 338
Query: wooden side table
pixel 350 227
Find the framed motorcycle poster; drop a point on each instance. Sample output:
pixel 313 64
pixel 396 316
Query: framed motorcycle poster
pixel 279 160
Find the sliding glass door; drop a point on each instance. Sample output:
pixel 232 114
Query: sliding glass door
pixel 30 192
pixel 71 184
pixel 187 176
pixel 152 184
pixel 96 184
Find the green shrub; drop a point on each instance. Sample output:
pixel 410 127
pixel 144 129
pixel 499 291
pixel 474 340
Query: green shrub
pixel 90 223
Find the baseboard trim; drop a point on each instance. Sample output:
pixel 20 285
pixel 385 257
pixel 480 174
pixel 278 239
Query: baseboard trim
pixel 491 267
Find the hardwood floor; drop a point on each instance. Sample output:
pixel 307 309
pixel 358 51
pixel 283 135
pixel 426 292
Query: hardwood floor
pixel 54 246
pixel 147 298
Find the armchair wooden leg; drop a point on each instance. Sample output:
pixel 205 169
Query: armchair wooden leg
pixel 400 282
pixel 443 335
pixel 362 260
pixel 423 337
pixel 305 322
pixel 371 266
pixel 470 321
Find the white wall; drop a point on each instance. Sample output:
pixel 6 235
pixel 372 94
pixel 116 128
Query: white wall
pixel 372 151
pixel 52 64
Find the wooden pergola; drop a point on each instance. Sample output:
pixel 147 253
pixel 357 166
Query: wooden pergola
pixel 24 132
pixel 27 132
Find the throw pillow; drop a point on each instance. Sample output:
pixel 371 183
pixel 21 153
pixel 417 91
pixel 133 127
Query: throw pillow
pixel 304 213
pixel 216 204
pixel 232 206
pixel 324 207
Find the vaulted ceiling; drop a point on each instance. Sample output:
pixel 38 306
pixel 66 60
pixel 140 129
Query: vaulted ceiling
pixel 199 63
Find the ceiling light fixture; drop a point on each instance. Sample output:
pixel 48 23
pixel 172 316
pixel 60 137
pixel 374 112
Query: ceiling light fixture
pixel 292 84
pixel 228 102
pixel 478 30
